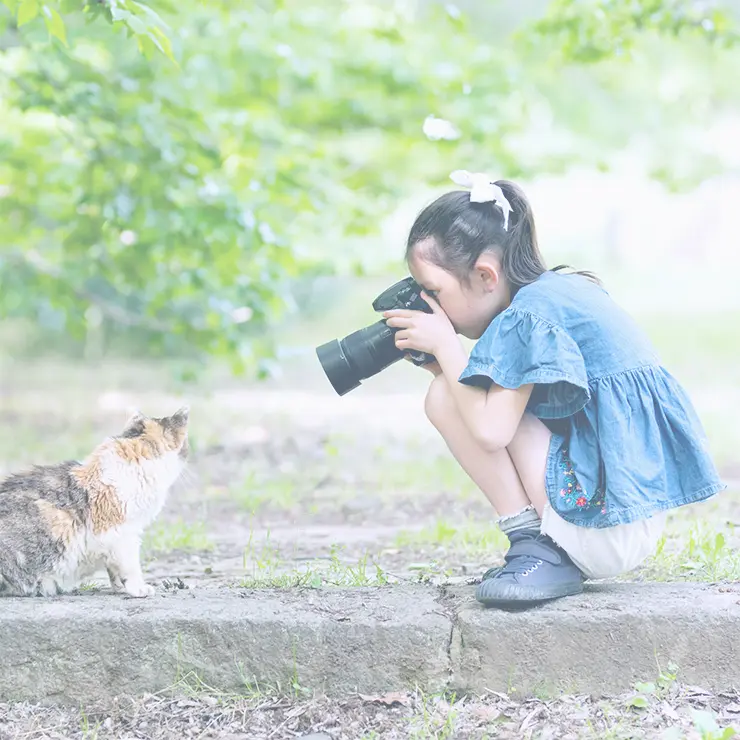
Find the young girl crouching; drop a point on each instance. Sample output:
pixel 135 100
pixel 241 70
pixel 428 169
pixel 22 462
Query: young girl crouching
pixel 562 415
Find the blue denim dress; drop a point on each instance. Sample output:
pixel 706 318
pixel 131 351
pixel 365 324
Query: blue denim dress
pixel 626 441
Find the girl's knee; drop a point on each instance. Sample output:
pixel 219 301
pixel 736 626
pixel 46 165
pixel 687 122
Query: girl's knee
pixel 439 404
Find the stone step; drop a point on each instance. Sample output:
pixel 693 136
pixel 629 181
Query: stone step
pixel 93 648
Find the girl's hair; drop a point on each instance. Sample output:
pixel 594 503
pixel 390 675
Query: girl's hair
pixel 461 231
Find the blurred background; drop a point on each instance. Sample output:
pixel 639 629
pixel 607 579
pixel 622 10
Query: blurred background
pixel 194 195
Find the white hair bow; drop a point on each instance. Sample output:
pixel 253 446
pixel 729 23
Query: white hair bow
pixel 483 190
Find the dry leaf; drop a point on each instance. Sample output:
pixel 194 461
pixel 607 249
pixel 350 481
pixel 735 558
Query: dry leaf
pixel 669 711
pixel 485 713
pixel 531 718
pixel 296 711
pixel 394 697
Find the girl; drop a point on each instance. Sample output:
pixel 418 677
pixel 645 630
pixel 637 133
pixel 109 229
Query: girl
pixel 562 414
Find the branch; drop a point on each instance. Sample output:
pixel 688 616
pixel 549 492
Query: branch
pixel 36 262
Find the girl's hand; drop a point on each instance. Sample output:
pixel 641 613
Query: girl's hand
pixel 424 332
pixel 432 367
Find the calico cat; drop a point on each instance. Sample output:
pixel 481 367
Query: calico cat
pixel 60 523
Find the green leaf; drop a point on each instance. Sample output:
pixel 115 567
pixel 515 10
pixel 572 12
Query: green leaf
pixel 638 701
pixel 174 200
pixel 162 42
pixel 136 25
pixel 672 733
pixel 645 688
pixel 151 14
pixel 55 24
pixel 704 721
pixel 27 11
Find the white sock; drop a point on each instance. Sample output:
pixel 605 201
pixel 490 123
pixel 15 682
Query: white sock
pixel 527 518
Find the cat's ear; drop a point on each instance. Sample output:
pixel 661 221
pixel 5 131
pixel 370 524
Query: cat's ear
pixel 135 421
pixel 180 417
pixel 134 415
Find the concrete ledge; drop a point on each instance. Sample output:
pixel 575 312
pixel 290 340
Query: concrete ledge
pixel 92 648
pixel 602 641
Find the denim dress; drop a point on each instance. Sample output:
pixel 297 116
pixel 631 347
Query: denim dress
pixel 626 441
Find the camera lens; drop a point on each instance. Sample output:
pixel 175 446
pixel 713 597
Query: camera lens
pixel 358 356
pixel 337 367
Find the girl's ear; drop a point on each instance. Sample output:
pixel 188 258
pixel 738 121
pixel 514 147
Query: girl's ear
pixel 488 270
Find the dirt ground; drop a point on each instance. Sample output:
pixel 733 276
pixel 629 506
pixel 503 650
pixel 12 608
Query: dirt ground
pixel 664 710
pixel 290 485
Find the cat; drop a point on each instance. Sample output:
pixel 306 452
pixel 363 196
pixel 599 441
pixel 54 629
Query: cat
pixel 60 523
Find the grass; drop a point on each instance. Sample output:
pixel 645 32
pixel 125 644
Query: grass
pixel 702 553
pixel 267 569
pixel 470 538
pixel 164 537
pixel 697 345
pixel 434 716
pixel 395 479
pixel 413 470
pixel 261 491
pixel 89 732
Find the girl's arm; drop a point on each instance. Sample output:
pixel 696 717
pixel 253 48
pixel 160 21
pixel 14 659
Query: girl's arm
pixel 492 415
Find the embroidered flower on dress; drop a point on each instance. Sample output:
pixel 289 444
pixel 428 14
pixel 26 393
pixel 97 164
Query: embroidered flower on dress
pixel 571 494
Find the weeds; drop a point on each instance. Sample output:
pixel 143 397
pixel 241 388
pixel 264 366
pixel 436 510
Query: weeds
pixel 258 492
pixel 471 538
pixel 434 716
pixel 88 732
pixel 177 536
pixel 651 694
pixel 705 724
pixel 269 570
pixel 414 472
pixel 701 554
pixel 648 691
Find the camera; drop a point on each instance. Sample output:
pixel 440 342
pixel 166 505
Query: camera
pixel 365 352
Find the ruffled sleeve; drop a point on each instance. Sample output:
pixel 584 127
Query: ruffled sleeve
pixel 519 348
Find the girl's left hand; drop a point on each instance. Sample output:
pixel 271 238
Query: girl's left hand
pixel 420 331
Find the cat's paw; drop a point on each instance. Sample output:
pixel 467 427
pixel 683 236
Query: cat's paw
pixel 115 581
pixel 48 586
pixel 139 589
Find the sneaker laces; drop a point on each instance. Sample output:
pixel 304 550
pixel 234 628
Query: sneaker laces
pixel 529 550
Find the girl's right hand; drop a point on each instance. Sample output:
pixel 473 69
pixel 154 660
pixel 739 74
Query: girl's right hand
pixel 432 367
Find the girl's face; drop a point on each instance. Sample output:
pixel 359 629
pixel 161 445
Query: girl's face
pixel 471 305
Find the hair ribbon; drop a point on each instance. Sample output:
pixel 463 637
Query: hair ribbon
pixel 483 190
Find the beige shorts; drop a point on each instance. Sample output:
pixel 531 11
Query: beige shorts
pixel 605 552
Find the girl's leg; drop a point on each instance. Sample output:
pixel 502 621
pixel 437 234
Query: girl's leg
pixel 536 568
pixel 511 479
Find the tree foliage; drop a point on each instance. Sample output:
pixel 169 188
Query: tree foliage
pixel 594 30
pixel 139 19
pixel 166 171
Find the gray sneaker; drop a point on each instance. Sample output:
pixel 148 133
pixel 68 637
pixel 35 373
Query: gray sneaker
pixel 536 570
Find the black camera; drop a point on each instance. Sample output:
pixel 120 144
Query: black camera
pixel 367 351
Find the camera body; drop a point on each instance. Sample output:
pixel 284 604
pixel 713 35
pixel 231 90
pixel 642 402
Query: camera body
pixel 367 351
pixel 405 294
